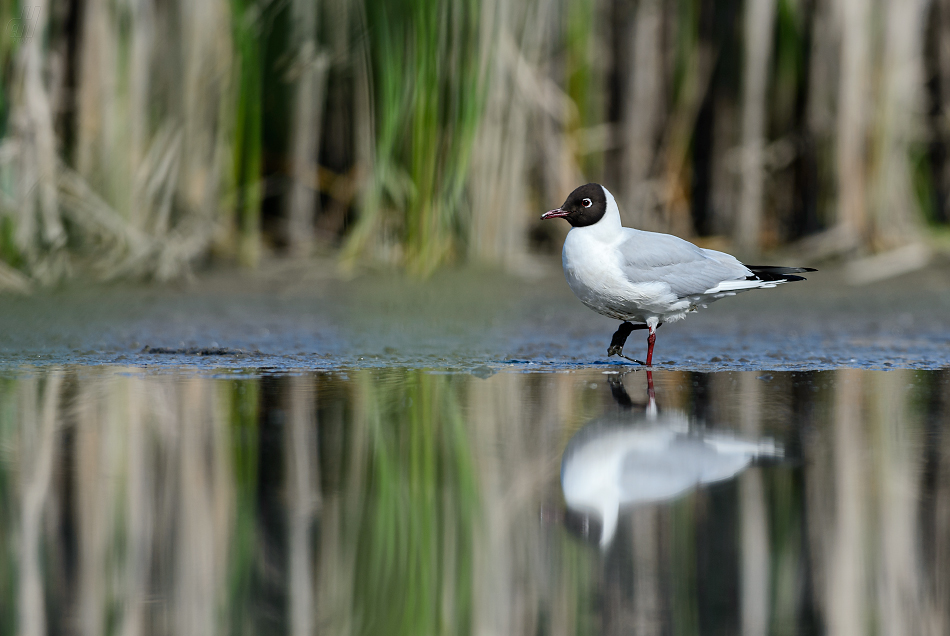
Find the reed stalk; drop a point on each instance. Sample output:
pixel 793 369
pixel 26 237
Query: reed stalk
pixel 894 214
pixel 310 68
pixel 585 72
pixel 644 98
pixel 247 142
pixel 427 77
pixel 689 71
pixel 759 27
pixel 513 39
pixel 39 234
pixel 852 118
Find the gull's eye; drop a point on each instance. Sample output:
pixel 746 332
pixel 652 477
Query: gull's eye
pixel 586 203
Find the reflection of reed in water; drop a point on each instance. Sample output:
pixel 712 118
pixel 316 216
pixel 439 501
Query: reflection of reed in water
pixel 186 505
pixel 126 503
pixel 407 502
pixel 413 541
pixel 37 455
pixel 869 543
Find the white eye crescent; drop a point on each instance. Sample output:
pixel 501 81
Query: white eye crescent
pixel 586 203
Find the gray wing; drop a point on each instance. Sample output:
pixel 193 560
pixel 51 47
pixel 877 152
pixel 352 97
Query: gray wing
pixel 689 270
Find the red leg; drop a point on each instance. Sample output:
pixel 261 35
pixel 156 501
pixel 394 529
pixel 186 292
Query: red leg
pixel 651 340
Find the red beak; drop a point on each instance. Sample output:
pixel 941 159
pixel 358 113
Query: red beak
pixel 553 214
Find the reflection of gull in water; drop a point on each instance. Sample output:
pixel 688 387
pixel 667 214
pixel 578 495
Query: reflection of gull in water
pixel 631 458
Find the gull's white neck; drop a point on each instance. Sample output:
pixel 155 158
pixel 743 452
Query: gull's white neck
pixel 607 229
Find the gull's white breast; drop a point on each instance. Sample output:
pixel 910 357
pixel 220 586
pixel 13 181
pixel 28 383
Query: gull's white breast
pixel 594 273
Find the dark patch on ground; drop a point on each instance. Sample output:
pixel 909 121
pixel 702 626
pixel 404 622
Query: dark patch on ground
pixel 194 351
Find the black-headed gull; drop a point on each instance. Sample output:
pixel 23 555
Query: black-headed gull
pixel 645 278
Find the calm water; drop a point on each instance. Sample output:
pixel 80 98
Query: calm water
pixel 410 501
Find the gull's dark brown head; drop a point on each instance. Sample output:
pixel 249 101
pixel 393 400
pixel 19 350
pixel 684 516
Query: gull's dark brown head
pixel 584 206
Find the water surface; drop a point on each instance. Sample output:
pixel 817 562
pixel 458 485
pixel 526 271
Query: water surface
pixel 414 500
pixel 466 319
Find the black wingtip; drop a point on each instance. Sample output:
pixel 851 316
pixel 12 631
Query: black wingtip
pixel 770 272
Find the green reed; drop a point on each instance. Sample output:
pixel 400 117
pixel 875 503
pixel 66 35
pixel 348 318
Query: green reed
pixel 8 11
pixel 159 153
pixel 427 77
pixel 584 74
pixel 9 251
pixel 247 150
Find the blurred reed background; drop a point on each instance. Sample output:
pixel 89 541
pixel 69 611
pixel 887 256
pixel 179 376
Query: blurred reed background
pixel 401 501
pixel 142 138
